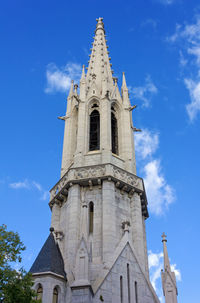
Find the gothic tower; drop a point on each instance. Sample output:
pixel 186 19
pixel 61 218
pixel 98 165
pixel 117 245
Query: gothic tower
pixel 96 251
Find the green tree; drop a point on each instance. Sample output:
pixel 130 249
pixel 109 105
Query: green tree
pixel 15 286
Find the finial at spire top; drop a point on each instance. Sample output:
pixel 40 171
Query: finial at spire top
pixel 100 24
pixel 164 237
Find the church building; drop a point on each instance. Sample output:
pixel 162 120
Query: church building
pixel 97 251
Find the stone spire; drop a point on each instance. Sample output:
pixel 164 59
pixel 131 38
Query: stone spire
pixel 168 277
pixel 124 91
pixel 99 68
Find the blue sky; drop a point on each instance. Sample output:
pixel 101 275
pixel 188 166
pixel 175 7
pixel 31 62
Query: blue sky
pixel 157 44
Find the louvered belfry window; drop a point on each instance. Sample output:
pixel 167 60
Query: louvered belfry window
pixel 94 142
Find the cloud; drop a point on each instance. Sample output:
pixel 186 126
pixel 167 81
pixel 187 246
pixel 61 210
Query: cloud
pixel 20 184
pixel 193 108
pixel 187 37
pixel 146 143
pixel 144 93
pixel 31 185
pixel 59 79
pixel 160 194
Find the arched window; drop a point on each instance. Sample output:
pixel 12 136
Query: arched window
pixel 114 133
pixel 91 217
pixel 94 142
pixel 55 295
pixel 39 292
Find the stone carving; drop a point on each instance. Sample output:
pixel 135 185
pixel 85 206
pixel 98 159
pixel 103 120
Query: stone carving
pixel 82 173
pixel 96 172
pixel 125 177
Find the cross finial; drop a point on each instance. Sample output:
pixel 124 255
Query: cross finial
pixel 164 237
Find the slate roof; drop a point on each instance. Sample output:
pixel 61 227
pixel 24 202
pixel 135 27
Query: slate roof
pixel 49 258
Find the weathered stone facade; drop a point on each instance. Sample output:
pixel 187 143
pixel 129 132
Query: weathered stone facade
pixel 99 205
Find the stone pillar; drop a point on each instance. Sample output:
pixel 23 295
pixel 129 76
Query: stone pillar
pixel 55 217
pixel 81 135
pixel 73 224
pixel 105 130
pixel 109 219
pixel 145 248
pixel 137 228
pixel 84 220
pixel 47 292
pixel 128 151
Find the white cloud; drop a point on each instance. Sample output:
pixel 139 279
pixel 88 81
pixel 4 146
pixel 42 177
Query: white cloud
pixel 154 259
pixel 193 108
pixel 59 79
pixel 160 194
pixel 145 92
pixel 31 185
pixel 146 143
pixel 20 184
pixel 37 185
pixel 188 39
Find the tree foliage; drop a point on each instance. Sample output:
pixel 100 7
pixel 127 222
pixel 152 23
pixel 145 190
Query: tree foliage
pixel 15 285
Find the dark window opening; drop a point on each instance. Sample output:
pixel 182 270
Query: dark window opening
pixel 94 131
pixel 94 105
pixel 136 293
pixel 121 289
pixel 91 217
pixel 39 292
pixel 128 282
pixel 114 134
pixel 55 295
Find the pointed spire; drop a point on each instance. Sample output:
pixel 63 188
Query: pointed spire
pixel 99 63
pixel 71 91
pixel 124 91
pixel 166 258
pixel 83 84
pixel 124 86
pixel 168 277
pixel 83 74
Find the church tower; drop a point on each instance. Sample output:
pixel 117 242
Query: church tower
pixel 96 250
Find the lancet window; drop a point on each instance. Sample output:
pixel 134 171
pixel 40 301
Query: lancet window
pixel 91 217
pixel 94 138
pixel 128 283
pixel 39 292
pixel 136 293
pixel 121 289
pixel 55 295
pixel 114 131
